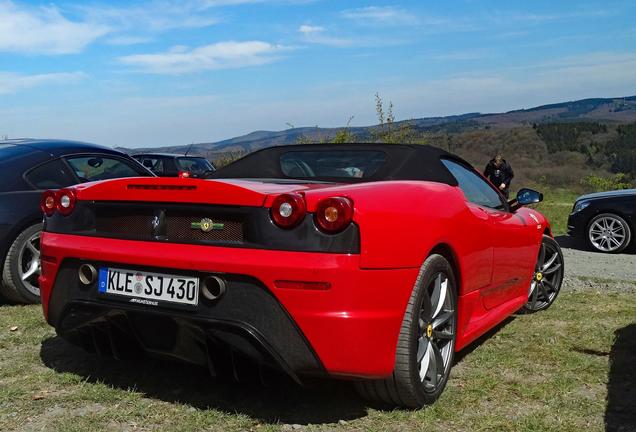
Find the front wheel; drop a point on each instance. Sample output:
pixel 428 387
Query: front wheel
pixel 547 278
pixel 426 343
pixel 609 232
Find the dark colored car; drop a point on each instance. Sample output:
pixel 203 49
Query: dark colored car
pixel 175 165
pixel 371 262
pixel 606 220
pixel 28 168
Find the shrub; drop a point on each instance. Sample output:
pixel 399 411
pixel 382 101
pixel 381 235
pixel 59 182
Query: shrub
pixel 600 184
pixel 390 132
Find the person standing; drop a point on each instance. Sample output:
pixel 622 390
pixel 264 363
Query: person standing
pixel 500 173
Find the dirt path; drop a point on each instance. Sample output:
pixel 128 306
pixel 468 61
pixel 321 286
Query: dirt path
pixel 592 270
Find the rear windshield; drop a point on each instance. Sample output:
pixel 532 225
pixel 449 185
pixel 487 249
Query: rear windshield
pixel 332 164
pixel 93 168
pixel 197 165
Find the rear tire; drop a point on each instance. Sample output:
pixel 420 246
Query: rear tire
pixel 22 267
pixel 426 344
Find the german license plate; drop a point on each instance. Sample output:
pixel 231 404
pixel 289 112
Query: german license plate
pixel 151 287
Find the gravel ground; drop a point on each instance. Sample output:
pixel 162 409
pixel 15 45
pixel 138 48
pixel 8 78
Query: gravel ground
pixel 586 270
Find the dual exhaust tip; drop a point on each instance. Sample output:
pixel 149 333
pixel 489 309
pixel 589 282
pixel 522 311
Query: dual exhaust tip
pixel 212 287
pixel 87 274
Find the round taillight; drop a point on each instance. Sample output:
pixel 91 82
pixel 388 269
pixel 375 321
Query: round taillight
pixel 47 203
pixel 288 210
pixel 65 199
pixel 184 174
pixel 334 214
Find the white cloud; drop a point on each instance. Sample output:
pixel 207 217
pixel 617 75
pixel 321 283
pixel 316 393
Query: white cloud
pixel 567 78
pixel 12 83
pixel 162 15
pixel 154 16
pixel 50 30
pixel 317 35
pixel 309 29
pixel 464 55
pixel 515 17
pixel 128 40
pixel 159 103
pixel 141 121
pixel 219 3
pixel 222 55
pixel 381 15
pixel 43 30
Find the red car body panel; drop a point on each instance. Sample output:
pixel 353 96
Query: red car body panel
pixel 353 326
pixel 357 312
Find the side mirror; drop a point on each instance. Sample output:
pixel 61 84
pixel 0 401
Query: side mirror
pixel 524 197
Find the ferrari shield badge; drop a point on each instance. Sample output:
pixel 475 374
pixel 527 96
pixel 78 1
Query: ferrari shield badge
pixel 207 225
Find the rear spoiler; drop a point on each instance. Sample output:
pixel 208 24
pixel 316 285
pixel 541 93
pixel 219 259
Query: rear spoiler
pixel 172 190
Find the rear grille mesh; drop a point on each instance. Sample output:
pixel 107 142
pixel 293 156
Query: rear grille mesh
pixel 177 225
pixel 133 225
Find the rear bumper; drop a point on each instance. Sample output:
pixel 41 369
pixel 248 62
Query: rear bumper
pixel 350 329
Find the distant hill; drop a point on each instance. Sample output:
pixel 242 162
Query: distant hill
pixel 613 110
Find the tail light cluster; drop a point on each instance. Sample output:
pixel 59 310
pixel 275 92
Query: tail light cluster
pixel 288 210
pixel 63 201
pixel 332 214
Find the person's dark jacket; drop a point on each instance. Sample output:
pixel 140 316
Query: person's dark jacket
pixel 499 175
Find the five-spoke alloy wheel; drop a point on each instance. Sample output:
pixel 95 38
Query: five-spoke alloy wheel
pixel 608 232
pixel 22 267
pixel 547 277
pixel 426 343
pixel 436 332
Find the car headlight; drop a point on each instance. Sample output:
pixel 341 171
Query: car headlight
pixel 580 205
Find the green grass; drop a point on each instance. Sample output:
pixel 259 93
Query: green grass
pixel 543 372
pixel 556 206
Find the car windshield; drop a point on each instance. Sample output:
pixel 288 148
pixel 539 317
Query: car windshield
pixel 335 164
pixel 197 165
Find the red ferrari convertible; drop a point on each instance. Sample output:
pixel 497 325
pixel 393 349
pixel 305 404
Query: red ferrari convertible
pixel 369 262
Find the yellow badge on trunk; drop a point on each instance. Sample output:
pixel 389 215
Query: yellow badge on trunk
pixel 207 225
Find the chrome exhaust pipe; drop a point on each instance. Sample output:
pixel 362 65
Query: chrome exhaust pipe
pixel 87 274
pixel 212 287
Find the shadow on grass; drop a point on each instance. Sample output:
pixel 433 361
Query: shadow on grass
pixel 459 356
pixel 620 413
pixel 565 241
pixel 4 301
pixel 283 401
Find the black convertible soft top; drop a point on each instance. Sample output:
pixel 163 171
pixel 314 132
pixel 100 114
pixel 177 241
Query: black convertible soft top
pixel 344 163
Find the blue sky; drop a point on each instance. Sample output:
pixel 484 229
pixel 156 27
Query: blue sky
pixel 146 73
